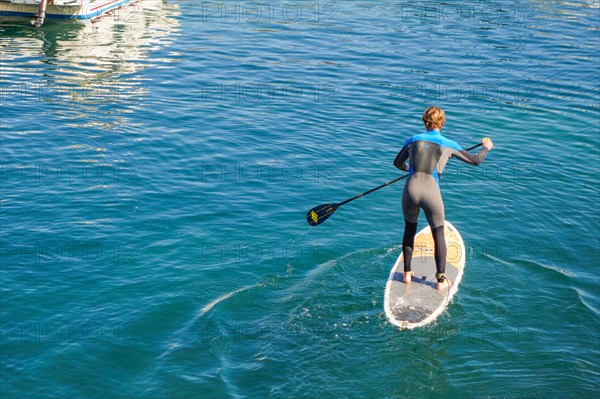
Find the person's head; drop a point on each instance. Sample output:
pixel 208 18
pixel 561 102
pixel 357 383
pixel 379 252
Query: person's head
pixel 434 118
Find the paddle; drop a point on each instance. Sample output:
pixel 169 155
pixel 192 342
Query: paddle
pixel 321 213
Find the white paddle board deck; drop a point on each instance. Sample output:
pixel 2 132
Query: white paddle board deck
pixel 418 303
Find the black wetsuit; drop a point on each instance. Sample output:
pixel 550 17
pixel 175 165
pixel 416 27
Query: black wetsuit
pixel 428 154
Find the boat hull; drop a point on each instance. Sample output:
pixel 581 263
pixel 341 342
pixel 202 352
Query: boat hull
pixel 57 9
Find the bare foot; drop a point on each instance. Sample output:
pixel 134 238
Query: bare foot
pixel 408 276
pixel 444 284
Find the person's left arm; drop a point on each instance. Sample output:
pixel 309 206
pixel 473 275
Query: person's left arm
pixel 400 161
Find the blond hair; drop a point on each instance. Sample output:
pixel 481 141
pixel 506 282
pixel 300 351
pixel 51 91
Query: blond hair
pixel 434 118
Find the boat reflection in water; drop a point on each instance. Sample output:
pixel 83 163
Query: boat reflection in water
pixel 94 62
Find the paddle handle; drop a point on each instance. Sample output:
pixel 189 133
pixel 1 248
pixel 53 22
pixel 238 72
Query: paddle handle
pixel 473 147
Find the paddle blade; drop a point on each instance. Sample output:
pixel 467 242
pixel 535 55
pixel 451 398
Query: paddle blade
pixel 320 213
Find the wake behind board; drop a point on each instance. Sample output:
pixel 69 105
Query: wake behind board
pixel 418 303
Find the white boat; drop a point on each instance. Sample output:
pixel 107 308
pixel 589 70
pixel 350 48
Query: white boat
pixel 38 10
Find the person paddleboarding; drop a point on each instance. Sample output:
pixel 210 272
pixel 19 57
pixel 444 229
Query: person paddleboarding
pixel 428 154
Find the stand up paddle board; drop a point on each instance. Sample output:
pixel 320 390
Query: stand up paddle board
pixel 418 303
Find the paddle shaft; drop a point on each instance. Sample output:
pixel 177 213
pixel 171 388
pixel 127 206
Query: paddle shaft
pixel 388 183
pixel 373 189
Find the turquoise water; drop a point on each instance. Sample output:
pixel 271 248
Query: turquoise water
pixel 157 166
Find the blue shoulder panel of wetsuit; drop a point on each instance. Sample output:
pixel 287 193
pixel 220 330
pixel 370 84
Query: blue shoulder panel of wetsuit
pixel 434 136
